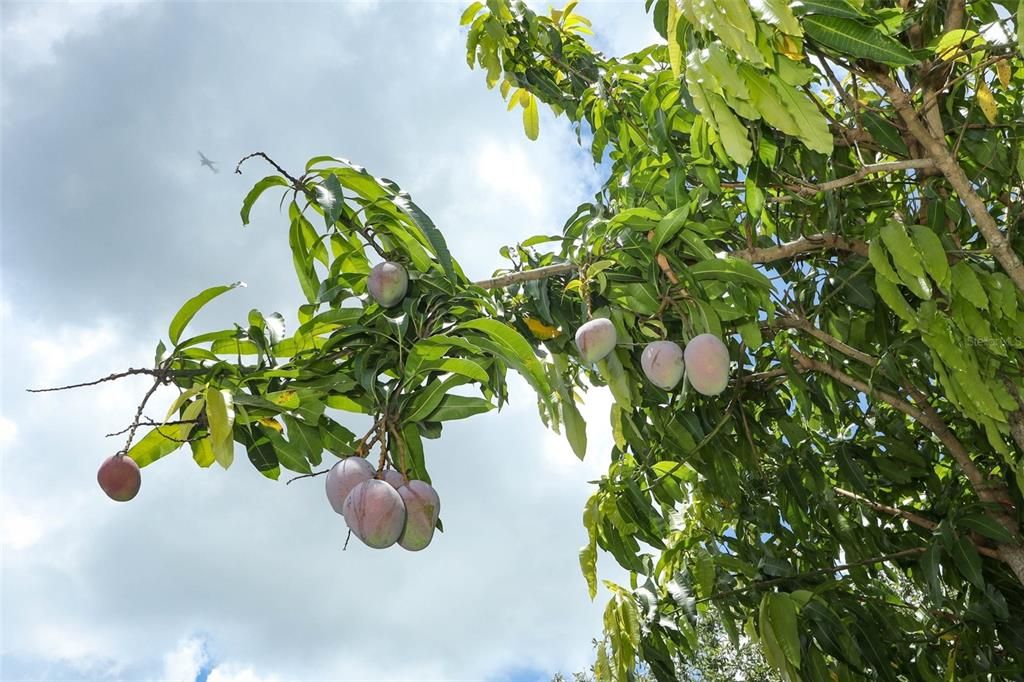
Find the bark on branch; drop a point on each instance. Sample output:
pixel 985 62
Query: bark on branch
pixel 926 415
pixel 797 247
pixel 910 516
pixel 863 172
pixel 938 150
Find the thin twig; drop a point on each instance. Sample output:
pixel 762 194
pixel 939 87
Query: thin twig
pixel 158 379
pixel 295 183
pixel 150 422
pixel 315 473
pixel 810 574
pixel 111 377
pixel 915 519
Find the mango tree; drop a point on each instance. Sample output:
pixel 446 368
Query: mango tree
pixel 827 195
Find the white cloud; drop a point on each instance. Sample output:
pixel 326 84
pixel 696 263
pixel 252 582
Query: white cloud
pixel 236 673
pixel 8 431
pixel 507 175
pixel 255 564
pixel 20 530
pixel 34 32
pixel 186 662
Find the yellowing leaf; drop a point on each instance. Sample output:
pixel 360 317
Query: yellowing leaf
pixel 1003 71
pixel 987 102
pixel 271 423
pixel 220 414
pixel 952 45
pixel 531 117
pixel 540 330
pixel 675 53
pixel 789 47
pixel 288 399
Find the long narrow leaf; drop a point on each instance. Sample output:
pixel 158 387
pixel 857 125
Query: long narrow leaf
pixel 192 306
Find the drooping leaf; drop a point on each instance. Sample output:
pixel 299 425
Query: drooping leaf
pixel 220 415
pixel 156 444
pixel 192 306
pixel 515 349
pixel 430 231
pixel 849 37
pixel 258 189
pixel 531 117
pixel 730 270
pixel 812 128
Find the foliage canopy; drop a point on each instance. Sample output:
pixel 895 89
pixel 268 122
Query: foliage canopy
pixel 833 187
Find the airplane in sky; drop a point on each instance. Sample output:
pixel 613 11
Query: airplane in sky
pixel 203 161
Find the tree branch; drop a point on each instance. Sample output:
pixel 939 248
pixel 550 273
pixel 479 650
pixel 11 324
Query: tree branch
pixel 863 172
pixel 915 519
pixel 914 551
pixel 928 416
pixel 295 183
pixel 794 321
pixel 936 149
pixel 768 254
pixel 114 377
pixel 508 279
pixel 815 242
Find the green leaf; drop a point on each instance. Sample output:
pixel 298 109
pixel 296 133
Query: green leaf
pixel 288 453
pixel 773 651
pixel 336 438
pixel 732 133
pixel 902 250
pixel 637 218
pixel 531 117
pixel 885 133
pixel 952 44
pixel 987 526
pixel 192 306
pixel 588 565
pixel 777 13
pixel 782 621
pixel 1020 26
pixel 669 226
pixel 767 101
pixel 410 453
pixel 835 8
pixel 931 561
pixel 830 632
pixel 575 427
pixel 876 254
pixel 302 260
pixel 427 399
pixel 515 349
pixel 966 284
pixel 730 270
pixel 470 13
pixel 258 189
pixel 851 38
pixel 464 366
pixel 618 380
pixel 154 445
pixel 894 299
pixel 220 414
pixel 305 437
pixel 967 560
pixel 430 231
pixel 932 253
pixel 202 452
pixel 454 407
pixel 812 128
pixel 258 447
pixel 675 53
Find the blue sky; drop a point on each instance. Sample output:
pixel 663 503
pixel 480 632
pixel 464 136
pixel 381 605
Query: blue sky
pixel 109 223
